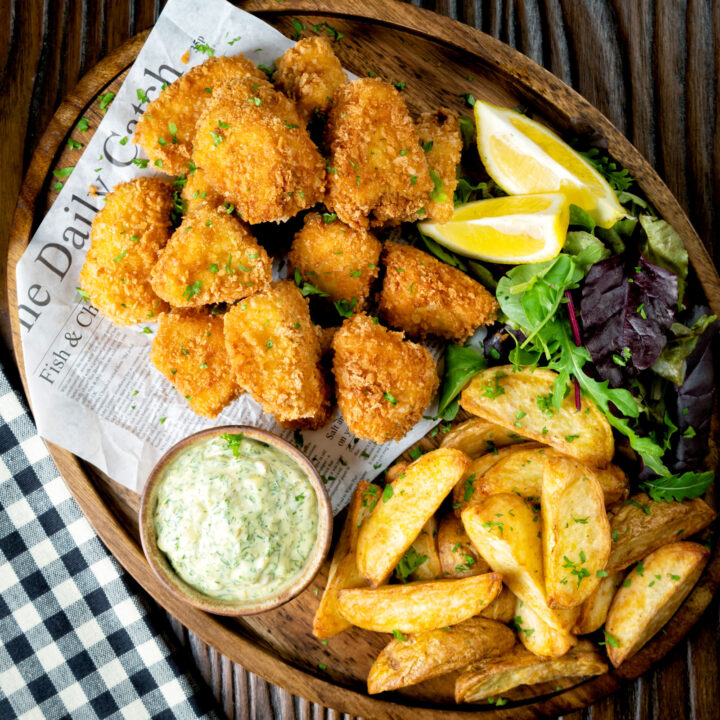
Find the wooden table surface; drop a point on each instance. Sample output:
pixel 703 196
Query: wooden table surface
pixel 652 67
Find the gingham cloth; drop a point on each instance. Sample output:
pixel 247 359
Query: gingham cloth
pixel 76 638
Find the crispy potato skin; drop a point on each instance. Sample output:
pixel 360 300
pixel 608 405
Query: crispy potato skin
pixel 310 74
pixel 475 437
pixel 458 556
pixel 216 250
pixel 343 569
pixel 336 258
pixel 639 532
pixel 437 652
pixel 275 354
pixel 499 395
pixel 642 607
pixel 126 237
pixel 442 129
pixel 371 182
pixel 425 544
pixel 372 367
pixel 575 531
pixel 197 192
pixel 263 162
pixel 521 471
pixel 397 520
pixel 538 637
pixel 419 606
pixel 187 340
pixel 472 487
pixel 182 103
pixel 495 676
pixel 424 296
pixel 504 529
pixel 594 610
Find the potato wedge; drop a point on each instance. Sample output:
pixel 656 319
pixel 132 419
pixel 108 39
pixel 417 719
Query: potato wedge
pixel 502 608
pixel 458 556
pixel 403 511
pixel 642 525
pixel 517 402
pixel 538 637
pixel 506 531
pixel 575 531
pixel 343 570
pixel 495 676
pixel 466 491
pixel 658 585
pixel 419 606
pixel 594 610
pixel 521 469
pixel 394 471
pixel 436 652
pixel 475 437
pixel 425 545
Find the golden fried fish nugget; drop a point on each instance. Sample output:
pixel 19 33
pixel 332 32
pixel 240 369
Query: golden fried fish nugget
pixel 275 354
pixel 166 130
pixel 310 74
pixel 378 173
pixel 440 136
pixel 424 296
pixel 255 151
pixel 212 257
pixel 383 383
pixel 196 191
pixel 336 258
pixel 189 350
pixel 126 237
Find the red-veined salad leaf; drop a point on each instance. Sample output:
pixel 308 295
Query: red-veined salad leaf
pixel 627 307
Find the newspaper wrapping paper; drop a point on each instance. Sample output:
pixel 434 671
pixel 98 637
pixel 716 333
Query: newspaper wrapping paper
pixel 93 388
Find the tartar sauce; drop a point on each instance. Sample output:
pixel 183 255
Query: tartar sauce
pixel 237 518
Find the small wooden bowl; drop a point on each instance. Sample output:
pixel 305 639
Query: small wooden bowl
pixel 160 564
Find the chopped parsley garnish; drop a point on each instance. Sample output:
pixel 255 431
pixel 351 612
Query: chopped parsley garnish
pixel 64 172
pixel 409 563
pixel 83 125
pixel 390 398
pixel 192 290
pixel 233 441
pixel 74 144
pixel 142 96
pixel 105 100
pixel 345 308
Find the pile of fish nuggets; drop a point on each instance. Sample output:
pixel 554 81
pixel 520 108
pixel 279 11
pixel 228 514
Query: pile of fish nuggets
pixel 347 161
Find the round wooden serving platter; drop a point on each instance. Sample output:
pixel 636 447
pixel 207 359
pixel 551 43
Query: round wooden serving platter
pixel 438 59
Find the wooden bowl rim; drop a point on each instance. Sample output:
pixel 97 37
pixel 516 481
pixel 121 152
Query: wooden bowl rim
pixel 526 76
pixel 185 592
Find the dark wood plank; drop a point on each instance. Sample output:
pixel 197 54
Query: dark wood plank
pixel 669 58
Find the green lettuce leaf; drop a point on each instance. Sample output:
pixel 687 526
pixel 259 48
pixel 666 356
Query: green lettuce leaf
pixel 664 247
pixel 671 363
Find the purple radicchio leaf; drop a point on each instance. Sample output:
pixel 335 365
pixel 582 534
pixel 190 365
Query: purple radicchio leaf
pixel 627 307
pixel 694 403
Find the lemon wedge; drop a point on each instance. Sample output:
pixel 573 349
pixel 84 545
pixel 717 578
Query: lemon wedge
pixel 524 157
pixel 515 229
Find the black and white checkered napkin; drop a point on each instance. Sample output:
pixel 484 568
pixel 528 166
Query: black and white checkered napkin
pixel 76 638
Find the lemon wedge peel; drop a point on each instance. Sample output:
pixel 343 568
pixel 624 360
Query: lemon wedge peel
pixel 515 230
pixel 524 157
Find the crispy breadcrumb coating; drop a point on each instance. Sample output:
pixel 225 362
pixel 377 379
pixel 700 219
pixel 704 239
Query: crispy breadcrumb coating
pixel 424 296
pixel 310 74
pixel 377 173
pixel 197 191
pixel 439 131
pixel 126 237
pixel 383 383
pixel 189 350
pixel 211 258
pixel 255 151
pixel 275 354
pixel 336 258
pixel 179 107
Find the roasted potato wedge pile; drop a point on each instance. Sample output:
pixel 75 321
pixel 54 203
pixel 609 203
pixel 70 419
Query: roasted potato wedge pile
pixel 490 556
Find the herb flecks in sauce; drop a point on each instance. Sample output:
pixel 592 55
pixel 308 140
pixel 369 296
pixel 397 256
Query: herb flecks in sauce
pixel 237 520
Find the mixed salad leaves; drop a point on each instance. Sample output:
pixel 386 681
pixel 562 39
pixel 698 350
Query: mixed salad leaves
pixel 614 316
